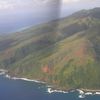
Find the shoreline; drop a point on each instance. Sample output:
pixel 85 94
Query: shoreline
pixel 24 79
pixel 82 92
pixel 90 90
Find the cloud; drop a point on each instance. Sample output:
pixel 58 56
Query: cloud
pixel 78 1
pixel 68 1
pixel 5 5
pixel 13 4
pixel 26 4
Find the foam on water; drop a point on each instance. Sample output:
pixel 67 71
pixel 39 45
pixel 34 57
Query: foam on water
pixel 82 94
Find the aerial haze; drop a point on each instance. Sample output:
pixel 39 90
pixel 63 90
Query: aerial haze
pixel 18 14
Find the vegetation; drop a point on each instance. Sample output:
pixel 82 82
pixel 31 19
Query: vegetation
pixel 65 53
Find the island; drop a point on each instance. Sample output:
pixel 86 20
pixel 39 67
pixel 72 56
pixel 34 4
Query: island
pixel 64 53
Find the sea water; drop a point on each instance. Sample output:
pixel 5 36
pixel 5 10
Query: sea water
pixel 11 89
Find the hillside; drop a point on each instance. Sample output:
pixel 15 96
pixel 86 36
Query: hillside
pixel 65 53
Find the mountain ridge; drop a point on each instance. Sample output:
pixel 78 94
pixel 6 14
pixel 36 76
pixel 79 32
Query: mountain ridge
pixel 63 52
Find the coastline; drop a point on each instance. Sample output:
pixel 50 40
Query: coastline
pixel 82 92
pixel 90 90
pixel 25 79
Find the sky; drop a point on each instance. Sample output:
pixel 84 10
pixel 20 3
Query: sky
pixel 29 4
pixel 16 14
pixel 44 7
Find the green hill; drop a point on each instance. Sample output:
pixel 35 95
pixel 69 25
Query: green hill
pixel 65 53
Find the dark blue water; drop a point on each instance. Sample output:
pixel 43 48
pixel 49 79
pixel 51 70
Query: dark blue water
pixel 23 90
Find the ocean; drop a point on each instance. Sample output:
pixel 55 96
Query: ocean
pixel 24 90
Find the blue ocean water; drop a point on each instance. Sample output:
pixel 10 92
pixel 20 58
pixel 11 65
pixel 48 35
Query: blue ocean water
pixel 24 90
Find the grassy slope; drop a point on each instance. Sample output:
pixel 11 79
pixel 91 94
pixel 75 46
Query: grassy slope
pixel 65 52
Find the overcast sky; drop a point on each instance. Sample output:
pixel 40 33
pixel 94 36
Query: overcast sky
pixel 45 6
pixel 29 4
pixel 16 14
pixel 41 6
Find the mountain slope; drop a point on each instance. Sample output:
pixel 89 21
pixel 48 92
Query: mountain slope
pixel 65 52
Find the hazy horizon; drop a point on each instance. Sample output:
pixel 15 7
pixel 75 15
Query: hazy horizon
pixel 17 14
